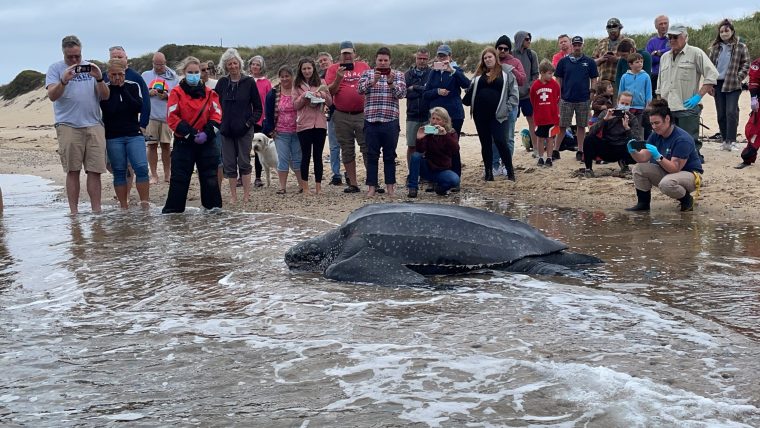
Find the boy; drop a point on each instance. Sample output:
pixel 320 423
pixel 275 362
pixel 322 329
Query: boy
pixel 637 82
pixel 544 96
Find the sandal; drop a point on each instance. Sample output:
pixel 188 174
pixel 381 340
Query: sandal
pixel 280 192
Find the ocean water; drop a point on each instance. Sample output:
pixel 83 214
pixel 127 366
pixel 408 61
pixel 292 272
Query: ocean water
pixel 144 319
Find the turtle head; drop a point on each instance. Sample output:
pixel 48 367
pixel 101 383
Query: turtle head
pixel 313 255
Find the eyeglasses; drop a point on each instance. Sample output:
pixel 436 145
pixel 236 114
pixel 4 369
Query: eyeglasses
pixel 503 49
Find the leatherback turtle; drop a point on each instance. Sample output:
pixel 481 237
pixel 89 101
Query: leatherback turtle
pixel 401 243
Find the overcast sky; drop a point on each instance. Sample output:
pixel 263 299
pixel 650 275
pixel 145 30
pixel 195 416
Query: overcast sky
pixel 32 30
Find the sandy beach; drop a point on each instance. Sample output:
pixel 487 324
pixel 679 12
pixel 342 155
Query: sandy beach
pixel 28 146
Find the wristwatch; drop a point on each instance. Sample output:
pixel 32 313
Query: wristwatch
pixel 99 80
pixel 659 159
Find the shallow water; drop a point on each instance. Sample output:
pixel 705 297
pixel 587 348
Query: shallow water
pixel 195 320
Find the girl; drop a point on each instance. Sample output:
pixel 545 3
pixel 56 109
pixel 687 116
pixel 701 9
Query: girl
pixel 311 97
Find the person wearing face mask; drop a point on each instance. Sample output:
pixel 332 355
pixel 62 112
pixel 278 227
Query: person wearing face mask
pixel 731 58
pixel 608 137
pixel 194 114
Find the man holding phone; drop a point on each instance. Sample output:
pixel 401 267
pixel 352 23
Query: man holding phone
pixel 604 52
pixel 416 107
pixel 343 81
pixel 161 80
pixel 668 160
pixel 76 88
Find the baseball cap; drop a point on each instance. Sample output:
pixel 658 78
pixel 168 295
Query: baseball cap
pixel 677 29
pixel 444 49
pixel 346 46
pixel 577 40
pixel 614 23
pixel 70 41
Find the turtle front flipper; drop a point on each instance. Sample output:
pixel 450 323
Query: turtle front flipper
pixel 372 266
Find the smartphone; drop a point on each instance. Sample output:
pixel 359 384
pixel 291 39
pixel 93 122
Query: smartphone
pixel 430 129
pixel 438 65
pixel 348 66
pixel 83 68
pixel 639 145
pixel 383 71
pixel 618 113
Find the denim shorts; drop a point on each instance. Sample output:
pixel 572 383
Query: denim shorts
pixel 288 151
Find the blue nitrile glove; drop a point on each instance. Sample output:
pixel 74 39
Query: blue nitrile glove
pixel 653 150
pixel 693 101
pixel 630 147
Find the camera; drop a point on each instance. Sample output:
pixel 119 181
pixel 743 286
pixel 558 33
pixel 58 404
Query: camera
pixel 383 71
pixel 618 113
pixel 349 66
pixel 83 68
pixel 430 129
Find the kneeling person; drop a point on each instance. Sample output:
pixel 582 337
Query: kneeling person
pixel 670 161
pixel 608 136
pixel 437 144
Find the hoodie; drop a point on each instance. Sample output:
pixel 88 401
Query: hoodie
pixel 529 60
pixel 165 81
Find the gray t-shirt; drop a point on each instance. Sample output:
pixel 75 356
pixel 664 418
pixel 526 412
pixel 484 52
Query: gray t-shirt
pixel 79 106
pixel 165 81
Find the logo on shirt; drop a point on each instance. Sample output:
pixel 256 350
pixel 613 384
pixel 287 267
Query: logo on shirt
pixel 158 84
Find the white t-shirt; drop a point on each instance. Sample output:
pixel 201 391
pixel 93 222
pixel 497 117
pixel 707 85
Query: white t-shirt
pixel 79 106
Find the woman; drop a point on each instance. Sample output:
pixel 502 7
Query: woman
pixel 193 115
pixel 239 97
pixel 280 124
pixel 731 58
pixel 436 146
pixel 444 89
pixel 125 142
pixel 311 97
pixel 256 67
pixel 492 96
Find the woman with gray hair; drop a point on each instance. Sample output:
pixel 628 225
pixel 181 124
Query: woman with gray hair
pixel 241 105
pixel 257 66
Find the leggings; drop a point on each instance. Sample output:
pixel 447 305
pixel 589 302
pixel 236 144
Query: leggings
pixel 312 142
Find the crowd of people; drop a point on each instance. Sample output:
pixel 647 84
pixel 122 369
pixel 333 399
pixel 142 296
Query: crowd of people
pixel 645 103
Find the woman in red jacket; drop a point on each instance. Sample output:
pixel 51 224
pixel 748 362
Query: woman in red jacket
pixel 193 114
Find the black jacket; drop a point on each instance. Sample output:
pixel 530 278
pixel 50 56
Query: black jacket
pixel 416 106
pixel 241 105
pixel 121 109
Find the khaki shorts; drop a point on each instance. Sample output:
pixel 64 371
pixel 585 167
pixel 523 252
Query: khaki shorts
pixel 158 132
pixel 82 147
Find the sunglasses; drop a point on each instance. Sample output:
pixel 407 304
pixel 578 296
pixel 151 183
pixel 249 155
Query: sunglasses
pixel 673 36
pixel 503 49
pixel 612 27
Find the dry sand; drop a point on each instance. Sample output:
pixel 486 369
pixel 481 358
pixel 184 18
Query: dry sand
pixel 28 146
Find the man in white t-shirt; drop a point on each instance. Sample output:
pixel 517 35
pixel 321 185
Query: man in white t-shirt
pixel 76 87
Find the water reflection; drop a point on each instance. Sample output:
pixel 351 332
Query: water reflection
pixel 195 320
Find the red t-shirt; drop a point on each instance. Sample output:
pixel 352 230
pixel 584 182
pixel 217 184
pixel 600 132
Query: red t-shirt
pixel 347 99
pixel 545 100
pixel 558 56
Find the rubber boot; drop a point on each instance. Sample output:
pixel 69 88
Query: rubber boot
pixel 687 202
pixel 489 174
pixel 644 198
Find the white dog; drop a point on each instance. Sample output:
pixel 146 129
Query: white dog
pixel 264 147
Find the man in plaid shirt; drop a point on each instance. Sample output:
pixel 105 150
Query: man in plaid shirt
pixel 382 87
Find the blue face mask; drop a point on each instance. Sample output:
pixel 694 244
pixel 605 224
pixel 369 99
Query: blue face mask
pixel 622 107
pixel 193 79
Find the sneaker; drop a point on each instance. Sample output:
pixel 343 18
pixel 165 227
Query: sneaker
pixel 555 155
pixel 258 183
pixel 412 192
pixel 430 187
pixel 742 165
pixel 502 170
pixel 732 146
pixel 540 162
pixel 726 147
pixel 351 189
pixel 496 172
pixel 548 162
pixel 623 166
pixel 455 189
pixel 336 181
pixel 588 173
pixel 440 192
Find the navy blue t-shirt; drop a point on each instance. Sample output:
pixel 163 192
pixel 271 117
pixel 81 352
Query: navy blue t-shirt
pixel 575 74
pixel 679 144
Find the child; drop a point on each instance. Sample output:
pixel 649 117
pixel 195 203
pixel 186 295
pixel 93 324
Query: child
pixel 544 96
pixel 603 99
pixel 637 82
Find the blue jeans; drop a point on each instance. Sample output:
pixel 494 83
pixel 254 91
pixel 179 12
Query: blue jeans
pixel 510 122
pixel 123 149
pixel 381 136
pixel 332 139
pixel 445 179
pixel 288 151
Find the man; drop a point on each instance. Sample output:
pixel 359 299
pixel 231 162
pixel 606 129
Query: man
pixel 161 79
pixel 657 46
pixel 76 96
pixel 325 60
pixel 416 107
pixel 681 70
pixel 382 87
pixel 576 75
pixel 624 49
pixel 504 47
pixel 529 60
pixel 668 161
pixel 563 41
pixel 604 52
pixel 343 80
pixel 608 137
